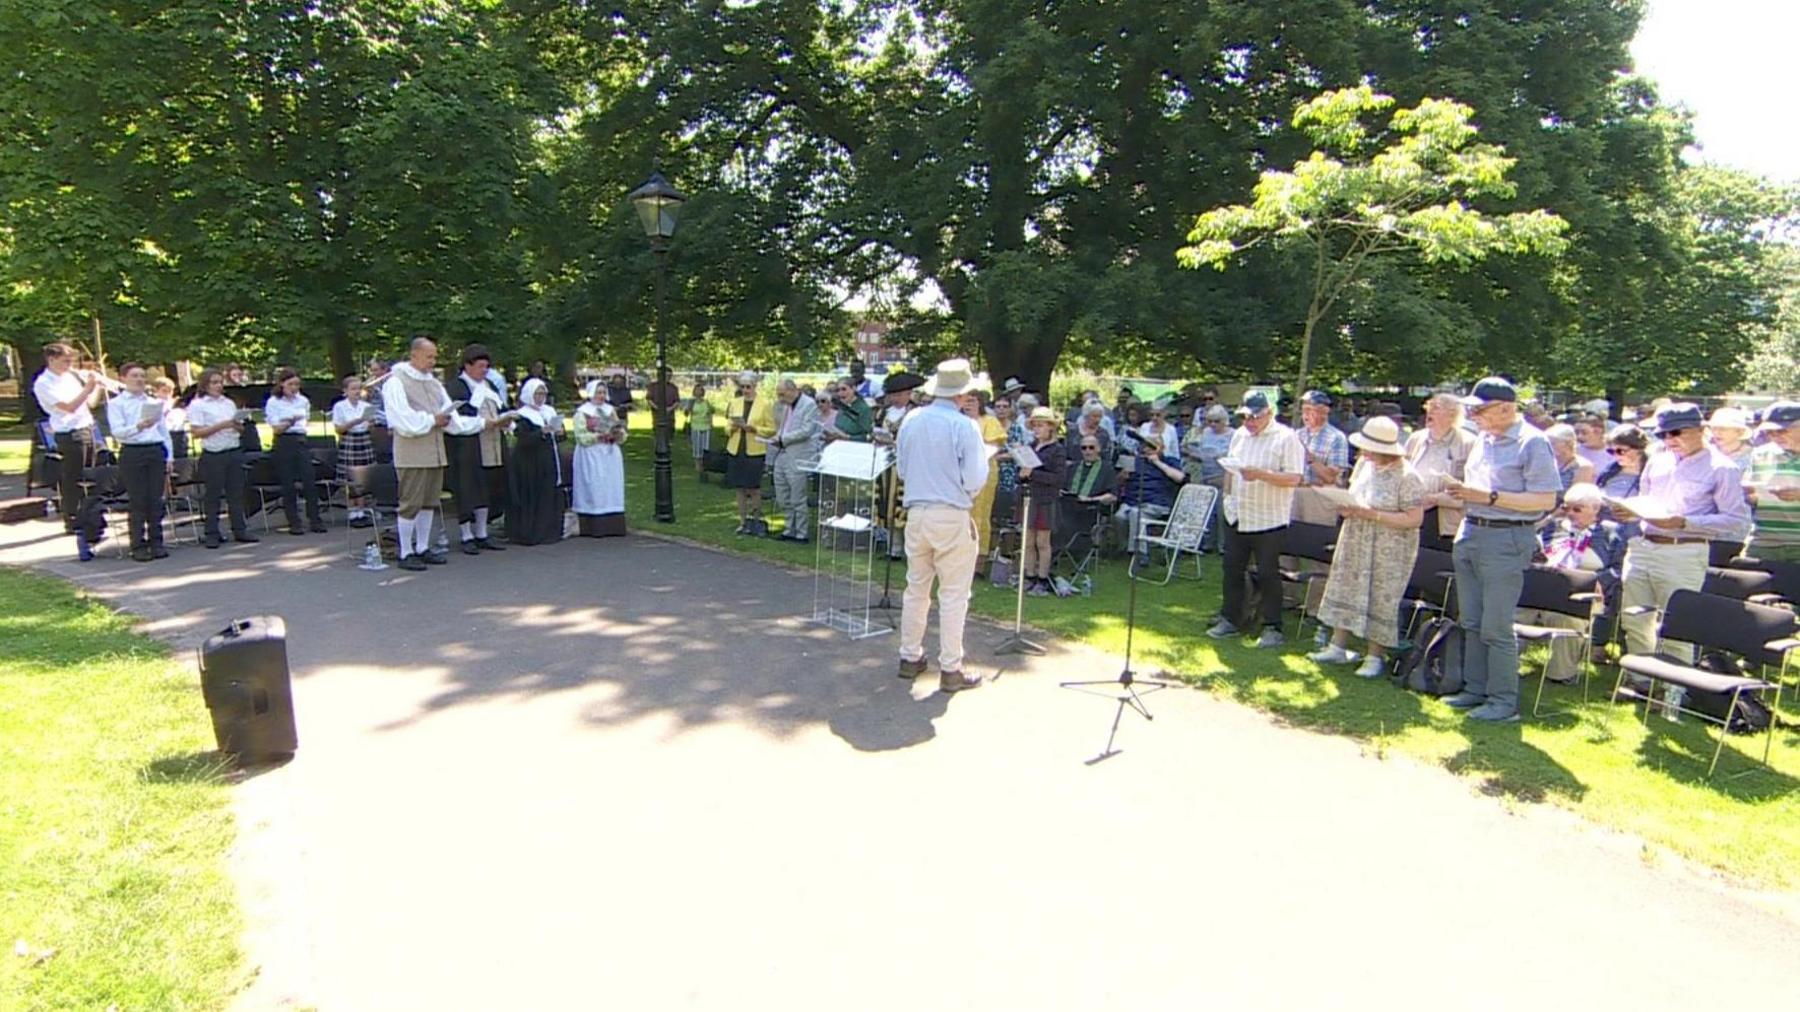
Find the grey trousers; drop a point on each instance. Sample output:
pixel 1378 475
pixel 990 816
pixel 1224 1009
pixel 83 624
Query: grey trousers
pixel 1490 573
pixel 790 490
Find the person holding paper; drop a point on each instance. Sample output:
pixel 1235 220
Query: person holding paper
pixel 1438 451
pixel 1774 485
pixel 1689 495
pixel 1043 471
pixel 63 394
pixel 145 459
pixel 749 424
pixel 599 465
pixel 419 412
pixel 794 453
pixel 217 422
pixel 287 411
pixel 1510 481
pixel 350 418
pixel 535 480
pixel 1263 468
pixel 1375 550
pixel 993 435
pixel 476 468
pixel 942 463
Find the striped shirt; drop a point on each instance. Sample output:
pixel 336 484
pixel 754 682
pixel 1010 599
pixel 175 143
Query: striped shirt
pixel 1252 506
pixel 1777 522
pixel 1329 446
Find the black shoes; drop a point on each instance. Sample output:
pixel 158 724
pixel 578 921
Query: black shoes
pixel 245 538
pixel 158 552
pixel 212 541
pixel 318 527
pixel 413 564
pixel 487 546
pixel 435 558
pixel 469 547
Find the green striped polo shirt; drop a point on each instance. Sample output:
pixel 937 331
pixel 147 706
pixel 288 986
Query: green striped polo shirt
pixel 1777 523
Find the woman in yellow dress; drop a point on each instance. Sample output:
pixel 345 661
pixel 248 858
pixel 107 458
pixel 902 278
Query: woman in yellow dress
pixel 993 434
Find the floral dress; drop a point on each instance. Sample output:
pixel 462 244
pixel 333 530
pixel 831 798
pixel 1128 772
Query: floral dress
pixel 1373 563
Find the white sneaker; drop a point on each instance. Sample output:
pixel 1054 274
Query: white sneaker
pixel 1322 637
pixel 1332 654
pixel 1372 667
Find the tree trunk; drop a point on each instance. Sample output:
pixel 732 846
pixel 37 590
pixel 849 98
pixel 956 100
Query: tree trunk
pixel 1306 337
pixel 343 356
pixel 1032 359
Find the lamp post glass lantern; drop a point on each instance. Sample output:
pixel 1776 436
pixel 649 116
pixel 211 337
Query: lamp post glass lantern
pixel 657 203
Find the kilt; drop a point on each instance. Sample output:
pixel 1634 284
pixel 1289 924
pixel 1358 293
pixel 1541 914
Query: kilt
pixel 355 449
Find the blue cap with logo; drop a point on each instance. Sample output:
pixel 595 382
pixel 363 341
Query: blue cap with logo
pixel 1255 403
pixel 1492 390
pixel 1780 415
pixel 1677 417
pixel 1316 397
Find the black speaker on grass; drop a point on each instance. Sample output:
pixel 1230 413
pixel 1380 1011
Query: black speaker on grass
pixel 244 679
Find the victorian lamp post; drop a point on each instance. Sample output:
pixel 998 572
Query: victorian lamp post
pixel 657 202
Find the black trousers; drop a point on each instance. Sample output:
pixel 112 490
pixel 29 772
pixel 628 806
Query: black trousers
pixel 75 449
pixel 1265 548
pixel 143 470
pixel 222 472
pixel 294 466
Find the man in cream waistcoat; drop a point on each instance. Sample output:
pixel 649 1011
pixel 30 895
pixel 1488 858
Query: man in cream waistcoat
pixel 418 413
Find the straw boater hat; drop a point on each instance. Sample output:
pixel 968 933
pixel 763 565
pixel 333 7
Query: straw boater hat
pixel 1044 415
pixel 1379 435
pixel 953 378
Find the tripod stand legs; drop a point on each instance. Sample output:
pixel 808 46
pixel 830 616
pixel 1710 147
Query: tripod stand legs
pixel 1017 643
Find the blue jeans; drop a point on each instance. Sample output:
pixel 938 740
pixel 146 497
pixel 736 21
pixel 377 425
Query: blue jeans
pixel 1490 573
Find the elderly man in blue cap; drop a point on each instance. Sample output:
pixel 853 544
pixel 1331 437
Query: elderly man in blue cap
pixel 1773 481
pixel 1509 483
pixel 1689 495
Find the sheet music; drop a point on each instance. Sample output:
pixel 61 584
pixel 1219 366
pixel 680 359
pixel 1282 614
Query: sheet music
pixel 1026 456
pixel 151 412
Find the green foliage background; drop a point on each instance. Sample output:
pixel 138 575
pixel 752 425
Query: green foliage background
pixel 313 181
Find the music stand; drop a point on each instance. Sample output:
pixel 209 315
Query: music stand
pixel 1017 643
pixel 1127 683
pixel 844 549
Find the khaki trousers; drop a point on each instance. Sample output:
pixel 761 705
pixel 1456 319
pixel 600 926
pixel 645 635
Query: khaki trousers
pixel 420 489
pixel 941 544
pixel 1651 575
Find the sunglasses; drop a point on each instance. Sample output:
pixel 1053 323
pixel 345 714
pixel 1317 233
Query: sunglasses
pixel 1093 449
pixel 1671 433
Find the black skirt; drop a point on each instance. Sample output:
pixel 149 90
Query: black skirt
pixel 743 471
pixel 535 510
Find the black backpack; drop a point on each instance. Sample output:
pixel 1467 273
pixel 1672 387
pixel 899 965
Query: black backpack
pixel 1752 714
pixel 1433 663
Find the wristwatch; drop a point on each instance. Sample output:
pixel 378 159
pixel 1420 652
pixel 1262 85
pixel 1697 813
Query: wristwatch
pixel 1493 497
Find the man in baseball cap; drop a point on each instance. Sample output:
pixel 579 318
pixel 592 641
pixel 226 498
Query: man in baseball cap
pixel 1697 496
pixel 1258 505
pixel 1773 484
pixel 1509 483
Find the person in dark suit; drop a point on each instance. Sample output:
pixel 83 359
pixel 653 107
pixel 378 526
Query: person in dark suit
pixel 1579 539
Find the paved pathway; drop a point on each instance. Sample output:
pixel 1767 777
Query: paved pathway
pixel 622 774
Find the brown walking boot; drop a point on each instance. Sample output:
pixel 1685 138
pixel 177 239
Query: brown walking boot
pixel 910 670
pixel 956 681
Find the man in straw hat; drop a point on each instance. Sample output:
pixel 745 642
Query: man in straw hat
pixel 943 464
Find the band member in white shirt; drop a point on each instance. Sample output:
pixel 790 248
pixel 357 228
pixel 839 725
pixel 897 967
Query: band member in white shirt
pixel 137 421
pixel 212 419
pixel 63 393
pixel 287 411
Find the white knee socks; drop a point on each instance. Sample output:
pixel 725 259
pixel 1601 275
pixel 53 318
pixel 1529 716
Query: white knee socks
pixel 422 532
pixel 406 535
pixel 481 518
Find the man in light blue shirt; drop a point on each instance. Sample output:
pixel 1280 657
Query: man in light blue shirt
pixel 1509 483
pixel 943 463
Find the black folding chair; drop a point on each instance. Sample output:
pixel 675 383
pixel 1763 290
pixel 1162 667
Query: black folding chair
pixel 1427 589
pixel 262 482
pixel 1572 592
pixel 1720 553
pixel 1075 539
pixel 1740 585
pixel 1311 543
pixel 1760 635
pixel 380 484
pixel 1784 578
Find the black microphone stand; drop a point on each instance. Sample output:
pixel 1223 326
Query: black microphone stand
pixel 1128 683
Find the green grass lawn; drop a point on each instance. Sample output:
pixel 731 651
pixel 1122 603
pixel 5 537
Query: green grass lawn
pixel 114 817
pixel 1605 765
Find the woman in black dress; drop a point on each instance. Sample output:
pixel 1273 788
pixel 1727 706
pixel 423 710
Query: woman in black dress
pixel 534 514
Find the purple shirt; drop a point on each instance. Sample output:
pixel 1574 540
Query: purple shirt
pixel 1706 489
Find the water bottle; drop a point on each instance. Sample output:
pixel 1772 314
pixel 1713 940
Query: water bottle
pixel 1673 697
pixel 372 557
